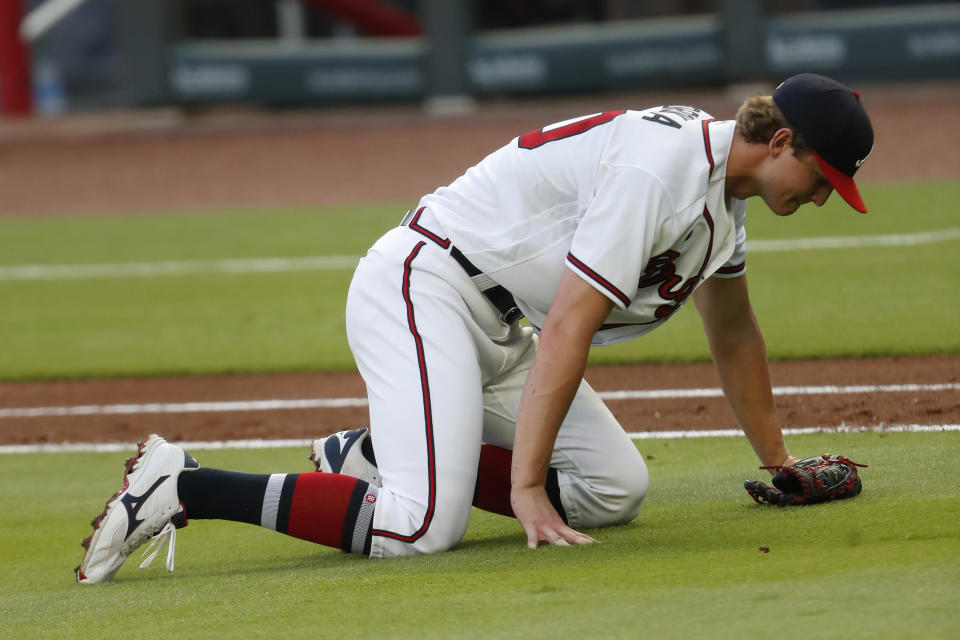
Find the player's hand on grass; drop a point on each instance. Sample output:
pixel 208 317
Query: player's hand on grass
pixel 540 520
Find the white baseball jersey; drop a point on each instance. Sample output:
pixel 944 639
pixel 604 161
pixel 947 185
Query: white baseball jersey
pixel 631 201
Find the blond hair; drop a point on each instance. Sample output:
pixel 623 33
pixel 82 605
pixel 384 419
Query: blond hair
pixel 758 118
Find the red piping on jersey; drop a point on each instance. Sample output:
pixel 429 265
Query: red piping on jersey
pixel 706 144
pixel 707 148
pixel 619 325
pixel 706 259
pixel 596 277
pixel 415 225
pixel 427 412
pixel 732 268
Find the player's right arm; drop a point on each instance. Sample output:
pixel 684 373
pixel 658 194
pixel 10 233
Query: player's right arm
pixel 576 313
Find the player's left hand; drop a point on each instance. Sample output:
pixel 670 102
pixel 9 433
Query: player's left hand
pixel 809 481
pixel 540 520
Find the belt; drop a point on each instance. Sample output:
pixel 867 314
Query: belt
pixel 496 294
pixel 500 297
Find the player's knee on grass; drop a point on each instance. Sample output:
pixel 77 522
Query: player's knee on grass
pixel 613 499
pixel 436 530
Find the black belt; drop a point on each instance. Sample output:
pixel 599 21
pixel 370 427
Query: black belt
pixel 500 297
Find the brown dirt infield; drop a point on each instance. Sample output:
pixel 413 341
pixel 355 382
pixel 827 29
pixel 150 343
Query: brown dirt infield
pixel 167 161
pixel 851 409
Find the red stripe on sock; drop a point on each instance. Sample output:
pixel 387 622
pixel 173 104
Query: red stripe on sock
pixel 319 507
pixel 493 480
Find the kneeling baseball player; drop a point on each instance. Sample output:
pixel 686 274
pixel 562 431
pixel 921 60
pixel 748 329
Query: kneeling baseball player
pixel 597 230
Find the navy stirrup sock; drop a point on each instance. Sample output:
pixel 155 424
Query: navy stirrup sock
pixel 326 508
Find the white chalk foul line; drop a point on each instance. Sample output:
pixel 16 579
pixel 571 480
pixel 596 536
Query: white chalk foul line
pixel 326 263
pixel 184 268
pixel 114 447
pixel 853 242
pixel 336 403
pixel 657 394
pixel 728 433
pixel 182 407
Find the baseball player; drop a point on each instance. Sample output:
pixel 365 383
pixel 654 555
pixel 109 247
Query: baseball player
pixel 596 229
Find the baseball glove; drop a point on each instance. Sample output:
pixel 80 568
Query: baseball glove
pixel 808 481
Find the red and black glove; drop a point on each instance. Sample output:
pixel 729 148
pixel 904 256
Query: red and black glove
pixel 808 481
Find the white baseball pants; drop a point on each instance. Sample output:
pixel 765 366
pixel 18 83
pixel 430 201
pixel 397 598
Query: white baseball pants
pixel 443 376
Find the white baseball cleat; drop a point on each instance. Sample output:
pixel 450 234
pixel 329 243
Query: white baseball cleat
pixel 349 453
pixel 147 505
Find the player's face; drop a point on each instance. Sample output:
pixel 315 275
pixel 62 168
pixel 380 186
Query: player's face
pixel 795 181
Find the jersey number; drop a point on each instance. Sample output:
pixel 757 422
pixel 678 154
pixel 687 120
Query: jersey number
pixel 537 138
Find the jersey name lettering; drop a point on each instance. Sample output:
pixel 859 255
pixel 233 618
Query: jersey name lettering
pixel 662 271
pixel 684 113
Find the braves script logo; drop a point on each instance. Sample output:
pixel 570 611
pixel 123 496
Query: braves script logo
pixel 662 271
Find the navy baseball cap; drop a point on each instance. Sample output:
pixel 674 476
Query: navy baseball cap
pixel 834 123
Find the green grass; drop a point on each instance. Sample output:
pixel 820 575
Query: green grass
pixel 884 565
pixel 180 324
pixel 871 301
pixel 811 304
pixel 194 236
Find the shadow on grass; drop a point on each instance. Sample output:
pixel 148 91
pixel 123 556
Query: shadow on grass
pixel 494 542
pixel 477 554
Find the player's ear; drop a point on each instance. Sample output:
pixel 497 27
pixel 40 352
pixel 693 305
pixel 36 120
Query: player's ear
pixel 780 141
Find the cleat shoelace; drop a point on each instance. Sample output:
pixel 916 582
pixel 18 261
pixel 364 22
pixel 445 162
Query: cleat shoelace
pixel 166 535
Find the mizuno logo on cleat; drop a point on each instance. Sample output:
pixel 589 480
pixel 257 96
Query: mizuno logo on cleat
pixel 337 455
pixel 133 503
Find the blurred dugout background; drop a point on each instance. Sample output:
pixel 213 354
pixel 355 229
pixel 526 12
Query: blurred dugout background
pixel 60 56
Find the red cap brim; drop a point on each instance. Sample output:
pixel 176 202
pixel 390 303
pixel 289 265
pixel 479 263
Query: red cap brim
pixel 843 184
